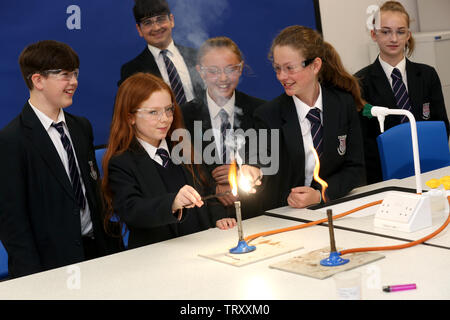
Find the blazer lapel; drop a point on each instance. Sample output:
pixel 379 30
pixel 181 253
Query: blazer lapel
pixel 292 133
pixel 330 122
pixel 146 167
pixel 79 144
pixel 42 143
pixel 148 63
pixel 382 85
pixel 240 119
pixel 414 89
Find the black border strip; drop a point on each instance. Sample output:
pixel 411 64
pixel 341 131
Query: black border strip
pixel 317 16
pixel 356 196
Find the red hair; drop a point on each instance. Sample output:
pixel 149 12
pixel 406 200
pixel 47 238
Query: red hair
pixel 132 92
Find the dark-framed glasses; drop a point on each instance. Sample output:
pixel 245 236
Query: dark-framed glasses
pixel 59 74
pixel 158 20
pixel 292 68
pixel 214 72
pixel 154 113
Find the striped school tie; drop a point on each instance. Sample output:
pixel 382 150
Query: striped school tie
pixel 316 129
pixel 164 155
pixel 400 92
pixel 73 170
pixel 174 78
pixel 224 126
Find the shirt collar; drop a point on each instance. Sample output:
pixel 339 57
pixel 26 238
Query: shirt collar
pixel 303 108
pixel 151 150
pixel 45 120
pixel 214 109
pixel 387 68
pixel 156 51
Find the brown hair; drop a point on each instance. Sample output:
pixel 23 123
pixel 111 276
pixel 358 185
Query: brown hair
pixel 219 42
pixel 132 92
pixel 46 55
pixel 312 45
pixel 396 6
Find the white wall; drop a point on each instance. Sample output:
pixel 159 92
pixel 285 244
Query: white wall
pixel 434 15
pixel 344 26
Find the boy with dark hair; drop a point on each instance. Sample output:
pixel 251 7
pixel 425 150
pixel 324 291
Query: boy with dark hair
pixel 173 63
pixel 50 206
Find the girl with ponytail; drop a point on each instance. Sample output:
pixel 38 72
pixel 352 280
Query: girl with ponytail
pixel 423 92
pixel 317 111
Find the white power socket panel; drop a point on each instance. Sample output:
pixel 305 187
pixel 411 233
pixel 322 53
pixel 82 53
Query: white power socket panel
pixel 404 212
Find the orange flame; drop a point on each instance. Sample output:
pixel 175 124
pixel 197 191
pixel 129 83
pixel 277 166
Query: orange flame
pixel 316 174
pixel 232 174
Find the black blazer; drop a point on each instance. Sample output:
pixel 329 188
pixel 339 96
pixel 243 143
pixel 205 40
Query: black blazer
pixel 143 203
pixel 145 62
pixel 427 104
pixel 39 217
pixel 341 172
pixel 197 110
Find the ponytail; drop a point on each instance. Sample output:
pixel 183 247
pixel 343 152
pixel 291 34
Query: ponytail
pixel 334 73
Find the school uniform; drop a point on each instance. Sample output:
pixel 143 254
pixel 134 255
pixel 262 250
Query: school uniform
pixel 426 100
pixel 41 223
pixel 143 193
pixel 342 161
pixel 146 62
pixel 240 109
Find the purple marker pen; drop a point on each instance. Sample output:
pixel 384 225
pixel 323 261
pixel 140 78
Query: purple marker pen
pixel 400 287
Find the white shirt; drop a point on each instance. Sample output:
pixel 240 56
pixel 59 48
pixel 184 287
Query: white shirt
pixel 216 121
pixel 302 110
pixel 85 215
pixel 178 61
pixel 387 68
pixel 151 150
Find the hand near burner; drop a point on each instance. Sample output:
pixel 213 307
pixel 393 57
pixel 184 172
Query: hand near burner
pixel 226 223
pixel 301 197
pixel 187 197
pixel 228 199
pixel 220 174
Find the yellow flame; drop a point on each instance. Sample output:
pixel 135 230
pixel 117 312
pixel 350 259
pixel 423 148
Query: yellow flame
pixel 316 174
pixel 232 173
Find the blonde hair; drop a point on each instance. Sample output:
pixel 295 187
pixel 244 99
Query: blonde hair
pixel 311 44
pixel 219 42
pixel 396 6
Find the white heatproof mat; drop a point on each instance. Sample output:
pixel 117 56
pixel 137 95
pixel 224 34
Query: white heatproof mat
pixel 266 247
pixel 309 264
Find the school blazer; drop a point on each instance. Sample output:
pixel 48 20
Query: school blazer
pixel 145 62
pixel 142 201
pixel 39 217
pixel 342 162
pixel 427 104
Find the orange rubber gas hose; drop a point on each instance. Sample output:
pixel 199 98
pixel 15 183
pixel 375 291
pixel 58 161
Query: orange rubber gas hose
pixel 312 223
pixel 396 247
pixel 402 246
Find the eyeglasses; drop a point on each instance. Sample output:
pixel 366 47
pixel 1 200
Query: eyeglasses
pixel 388 33
pixel 215 72
pixel 60 74
pixel 292 68
pixel 152 114
pixel 158 20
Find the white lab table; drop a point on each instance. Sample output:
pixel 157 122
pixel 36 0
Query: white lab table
pixel 173 270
